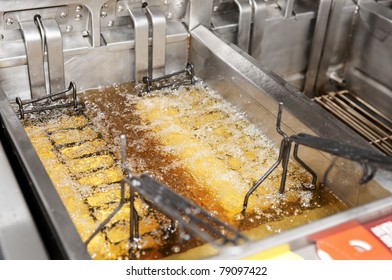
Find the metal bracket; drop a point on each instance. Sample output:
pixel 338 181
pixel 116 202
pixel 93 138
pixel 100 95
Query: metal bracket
pixel 158 53
pixel 53 42
pixel 289 8
pixel 148 62
pixel 259 16
pixel 141 28
pixel 323 14
pixel 244 24
pixel 35 58
pixel 40 36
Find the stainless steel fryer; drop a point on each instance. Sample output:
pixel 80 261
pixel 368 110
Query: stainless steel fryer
pixel 100 43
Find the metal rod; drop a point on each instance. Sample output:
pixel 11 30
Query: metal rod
pixel 278 121
pixel 375 110
pixel 284 156
pixel 133 215
pixel 304 165
pixel 265 176
pixel 362 119
pixel 189 69
pixel 289 10
pixel 348 118
pixel 38 22
pixel 285 164
pixel 72 86
pixel 351 119
pixel 111 215
pixel 49 97
pixel 124 156
pixel 368 114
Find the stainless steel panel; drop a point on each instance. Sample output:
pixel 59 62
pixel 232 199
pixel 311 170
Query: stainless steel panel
pixel 199 12
pixel 73 16
pixel 286 46
pixel 19 237
pixel 369 68
pixel 280 43
pixel 98 67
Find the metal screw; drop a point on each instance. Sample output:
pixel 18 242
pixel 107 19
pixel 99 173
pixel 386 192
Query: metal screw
pixel 105 5
pixel 111 23
pixel 78 16
pixel 169 15
pixel 216 8
pixel 103 14
pixel 9 21
pixel 166 3
pixel 69 28
pixel 78 8
pixel 63 15
pixel 120 8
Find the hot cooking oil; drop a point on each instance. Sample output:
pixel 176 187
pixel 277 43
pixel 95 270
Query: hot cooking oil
pixel 190 139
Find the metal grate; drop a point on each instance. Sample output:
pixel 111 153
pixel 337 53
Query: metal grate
pixel 366 120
